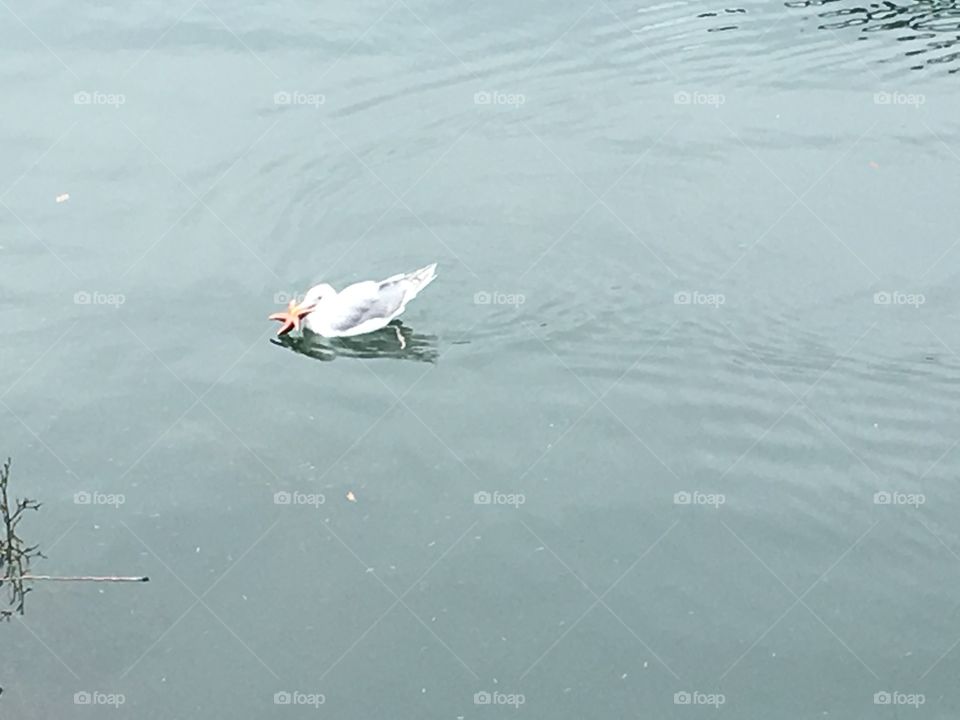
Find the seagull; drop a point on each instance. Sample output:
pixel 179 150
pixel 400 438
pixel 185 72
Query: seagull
pixel 357 309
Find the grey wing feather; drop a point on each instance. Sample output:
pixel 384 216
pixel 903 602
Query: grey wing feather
pixel 378 301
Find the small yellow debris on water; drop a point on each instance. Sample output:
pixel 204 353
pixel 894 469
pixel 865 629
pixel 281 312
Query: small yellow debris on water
pixel 350 496
pixel 63 197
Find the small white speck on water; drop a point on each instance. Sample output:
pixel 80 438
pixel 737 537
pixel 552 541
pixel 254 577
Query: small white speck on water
pixel 646 664
pixel 689 612
pixel 539 549
pixel 198 548
pixel 623 677
pixel 431 543
pixel 562 623
pixel 423 691
pixel 96 527
pixel 496 682
pixel 477 537
pixel 566 690
pixel 244 597
pixel 773 654
pixel 433 619
pixel 369 570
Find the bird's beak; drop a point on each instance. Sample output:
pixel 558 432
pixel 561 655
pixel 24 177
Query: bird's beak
pixel 292 316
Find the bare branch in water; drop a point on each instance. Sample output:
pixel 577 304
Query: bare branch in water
pixel 15 556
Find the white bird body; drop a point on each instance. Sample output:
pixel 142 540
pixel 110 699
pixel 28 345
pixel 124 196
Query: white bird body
pixel 364 306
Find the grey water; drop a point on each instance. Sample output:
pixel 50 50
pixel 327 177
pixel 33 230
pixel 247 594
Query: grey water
pixel 673 434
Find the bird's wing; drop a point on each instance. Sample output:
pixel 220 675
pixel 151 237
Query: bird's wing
pixel 366 301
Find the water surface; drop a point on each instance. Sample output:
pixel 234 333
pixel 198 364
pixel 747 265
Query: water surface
pixel 695 309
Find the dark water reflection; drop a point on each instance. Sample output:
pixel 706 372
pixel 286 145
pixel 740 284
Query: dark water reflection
pixel 929 27
pixel 396 341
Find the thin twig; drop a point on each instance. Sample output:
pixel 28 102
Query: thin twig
pixel 85 578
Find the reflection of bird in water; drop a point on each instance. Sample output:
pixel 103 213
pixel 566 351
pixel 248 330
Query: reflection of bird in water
pixel 394 341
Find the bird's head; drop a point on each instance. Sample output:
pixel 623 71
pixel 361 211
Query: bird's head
pixel 296 311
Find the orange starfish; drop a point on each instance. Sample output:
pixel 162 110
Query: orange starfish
pixel 292 316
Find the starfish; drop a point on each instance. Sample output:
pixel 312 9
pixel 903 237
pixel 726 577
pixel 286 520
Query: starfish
pixel 292 316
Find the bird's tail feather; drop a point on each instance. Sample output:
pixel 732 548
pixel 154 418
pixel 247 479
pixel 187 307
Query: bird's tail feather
pixel 419 279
